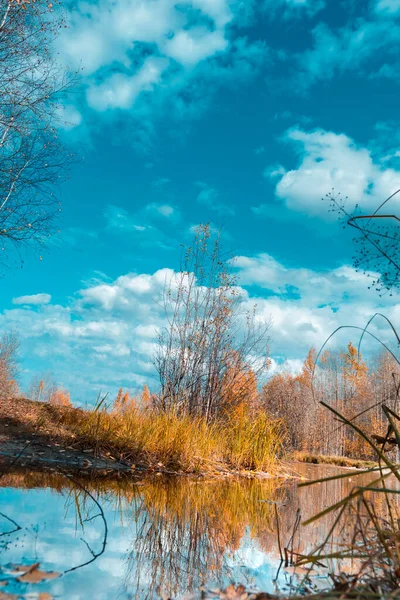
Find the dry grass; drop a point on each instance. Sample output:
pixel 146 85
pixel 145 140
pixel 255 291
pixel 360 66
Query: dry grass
pixel 372 510
pixel 338 461
pixel 239 441
pixel 252 440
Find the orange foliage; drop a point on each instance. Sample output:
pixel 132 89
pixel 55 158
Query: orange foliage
pixel 60 397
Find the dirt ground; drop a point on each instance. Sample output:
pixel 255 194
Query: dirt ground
pixel 31 436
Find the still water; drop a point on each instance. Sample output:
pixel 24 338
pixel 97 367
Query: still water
pixel 152 537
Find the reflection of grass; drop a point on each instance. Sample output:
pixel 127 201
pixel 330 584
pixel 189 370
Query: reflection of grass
pixel 339 461
pixel 190 527
pixel 238 441
pixel 183 528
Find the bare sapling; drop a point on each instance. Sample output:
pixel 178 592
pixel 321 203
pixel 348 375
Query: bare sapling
pixel 211 343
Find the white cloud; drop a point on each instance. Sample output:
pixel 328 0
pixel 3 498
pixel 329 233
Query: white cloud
pixel 172 64
pixel 306 306
pixel 189 48
pixel 163 210
pixel 210 197
pixel 390 7
pixel 332 161
pixel 105 336
pixel 35 299
pixel 366 45
pixel 120 90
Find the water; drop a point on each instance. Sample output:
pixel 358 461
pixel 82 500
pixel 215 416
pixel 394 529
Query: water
pixel 157 536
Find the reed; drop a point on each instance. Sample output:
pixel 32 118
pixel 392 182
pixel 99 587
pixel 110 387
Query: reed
pixel 239 440
pixel 371 514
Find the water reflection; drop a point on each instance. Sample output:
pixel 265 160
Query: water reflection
pixel 171 536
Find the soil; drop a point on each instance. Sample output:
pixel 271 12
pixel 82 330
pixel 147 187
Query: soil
pixel 31 436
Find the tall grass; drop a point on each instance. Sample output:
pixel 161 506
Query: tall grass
pixel 239 440
pixel 253 440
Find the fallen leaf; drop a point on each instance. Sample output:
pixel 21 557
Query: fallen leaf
pixel 234 593
pixel 5 596
pixel 33 575
pixel 25 568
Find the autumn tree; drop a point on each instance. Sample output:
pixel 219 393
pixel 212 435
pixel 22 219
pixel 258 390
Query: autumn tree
pixel 207 333
pixel 239 385
pixel 44 388
pixel 9 345
pixel 59 396
pixel 32 159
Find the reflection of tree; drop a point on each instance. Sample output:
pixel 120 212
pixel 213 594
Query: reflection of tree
pixel 99 515
pixel 188 528
pixel 184 530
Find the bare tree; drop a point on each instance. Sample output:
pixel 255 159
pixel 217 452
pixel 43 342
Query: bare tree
pixel 32 159
pixel 209 337
pixel 9 345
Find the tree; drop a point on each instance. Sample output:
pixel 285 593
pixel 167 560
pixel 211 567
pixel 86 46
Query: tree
pixel 208 331
pixel 9 345
pixel 32 159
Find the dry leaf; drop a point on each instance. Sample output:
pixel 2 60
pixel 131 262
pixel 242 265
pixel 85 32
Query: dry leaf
pixel 31 574
pixel 25 568
pixel 232 593
pixel 5 596
pixel 38 576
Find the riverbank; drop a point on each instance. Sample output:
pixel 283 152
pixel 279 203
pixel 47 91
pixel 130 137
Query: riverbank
pixel 337 461
pixel 42 436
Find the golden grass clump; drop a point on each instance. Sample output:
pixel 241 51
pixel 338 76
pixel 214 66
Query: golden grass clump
pixel 239 440
pixel 253 440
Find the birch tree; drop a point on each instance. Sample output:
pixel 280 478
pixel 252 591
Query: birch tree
pixel 33 161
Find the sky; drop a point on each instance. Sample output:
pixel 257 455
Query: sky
pixel 244 114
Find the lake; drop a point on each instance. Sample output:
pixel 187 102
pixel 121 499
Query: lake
pixel 139 540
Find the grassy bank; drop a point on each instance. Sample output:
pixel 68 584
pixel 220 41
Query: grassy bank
pixel 339 461
pixel 148 439
pixel 251 442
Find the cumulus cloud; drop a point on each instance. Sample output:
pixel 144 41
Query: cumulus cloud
pixel 306 306
pixel 34 299
pixel 331 161
pixel 131 61
pixel 105 336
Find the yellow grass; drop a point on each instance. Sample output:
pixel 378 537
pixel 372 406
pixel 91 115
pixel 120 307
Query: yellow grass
pixel 239 441
pixel 339 461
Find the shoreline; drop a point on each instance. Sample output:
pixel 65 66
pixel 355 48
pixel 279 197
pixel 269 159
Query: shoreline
pixel 39 436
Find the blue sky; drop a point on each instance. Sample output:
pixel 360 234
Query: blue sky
pixel 244 114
